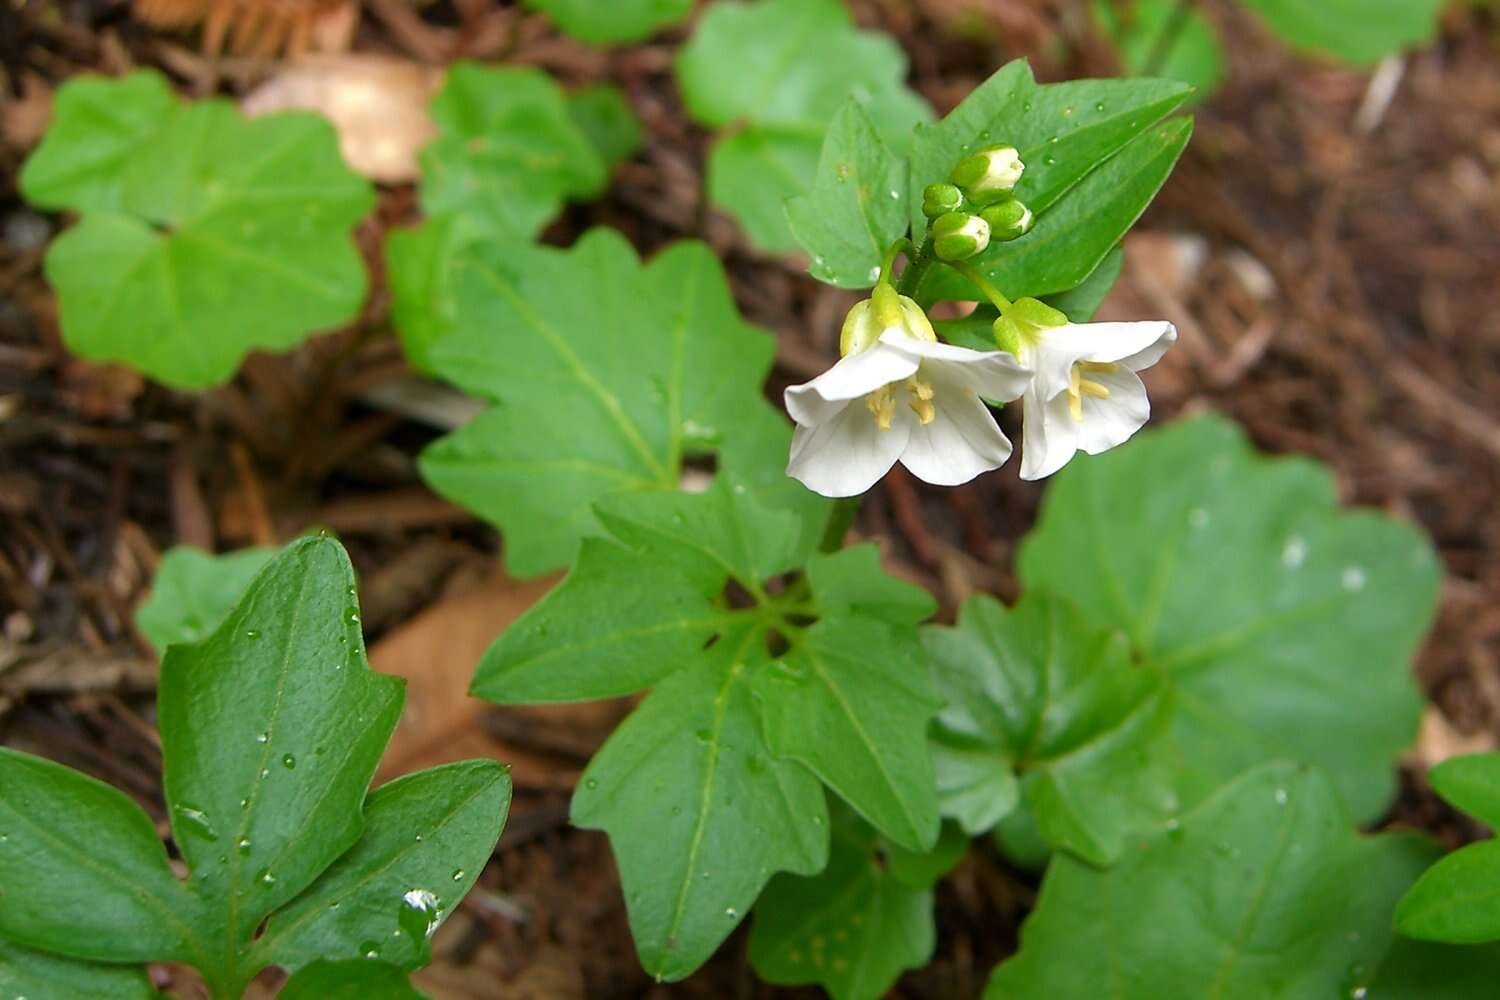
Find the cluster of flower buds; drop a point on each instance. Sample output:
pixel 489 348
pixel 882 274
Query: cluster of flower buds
pixel 979 206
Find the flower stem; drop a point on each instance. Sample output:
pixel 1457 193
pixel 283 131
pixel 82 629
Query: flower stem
pixel 916 267
pixel 972 276
pixel 888 262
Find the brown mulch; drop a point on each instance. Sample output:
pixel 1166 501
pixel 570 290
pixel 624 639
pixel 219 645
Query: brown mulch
pixel 1331 266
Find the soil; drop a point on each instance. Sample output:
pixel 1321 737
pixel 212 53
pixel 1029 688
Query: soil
pixel 1329 259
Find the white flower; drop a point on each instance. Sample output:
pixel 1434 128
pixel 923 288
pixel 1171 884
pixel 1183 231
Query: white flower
pixel 1085 395
pixel 899 395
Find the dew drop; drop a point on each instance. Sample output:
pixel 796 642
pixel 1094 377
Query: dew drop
pixel 196 822
pixel 874 274
pixel 591 784
pixel 370 950
pixel 288 761
pixel 262 737
pixel 1353 579
pixel 1294 553
pixel 244 846
pixel 895 195
pixel 251 633
pixel 458 874
pixel 1099 106
pixel 265 878
pixel 354 614
pixel 731 913
pixel 1280 796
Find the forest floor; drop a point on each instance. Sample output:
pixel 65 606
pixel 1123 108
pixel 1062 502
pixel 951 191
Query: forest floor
pixel 1331 259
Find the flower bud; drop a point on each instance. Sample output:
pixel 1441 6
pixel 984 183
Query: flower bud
pixel 884 310
pixel 990 174
pixel 940 199
pixel 959 236
pixel 1009 220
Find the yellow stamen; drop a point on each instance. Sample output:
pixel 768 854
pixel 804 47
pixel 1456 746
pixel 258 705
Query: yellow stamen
pixel 921 400
pixel 882 406
pixel 1078 386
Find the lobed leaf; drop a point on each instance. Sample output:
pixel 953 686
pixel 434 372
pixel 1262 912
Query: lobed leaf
pixel 194 219
pixel 1192 53
pixel 1458 899
pixel 1261 602
pixel 602 112
pixel 1263 890
pixel 857 205
pixel 36 975
pixel 82 871
pixel 613 22
pixel 271 729
pixel 427 837
pixel 857 925
pixel 1422 970
pixel 851 701
pixel 1039 693
pixel 193 591
pixel 852 581
pixel 777 71
pixel 650 363
pixel 350 979
pixel 1360 32
pixel 699 811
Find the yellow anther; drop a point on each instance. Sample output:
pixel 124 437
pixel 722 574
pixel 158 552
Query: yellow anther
pixel 1078 386
pixel 883 406
pixel 921 400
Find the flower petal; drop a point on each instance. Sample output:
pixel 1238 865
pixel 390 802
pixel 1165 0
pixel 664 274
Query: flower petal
pixel 1108 422
pixel 1133 345
pixel 848 454
pixel 962 440
pixel 816 402
pixel 1049 435
pixel 991 374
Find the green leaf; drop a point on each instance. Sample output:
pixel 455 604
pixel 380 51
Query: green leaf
pixel 612 22
pixel 1458 899
pixel 82 871
pixel 98 124
pixel 605 374
pixel 976 330
pixel 753 173
pixel 853 928
pixel 1071 239
pixel 1063 131
pixel 1421 970
pixel 1261 601
pixel 1164 38
pixel 422 263
pixel 1360 32
pixel 193 591
pixel 602 112
pixel 36 975
pixel 271 729
pixel 851 700
pixel 857 206
pixel 427 837
pixel 1263 891
pixel 351 979
pixel 852 580
pixel 191 228
pixel 1040 692
pixel 1082 301
pixel 698 810
pixel 508 153
pixel 777 71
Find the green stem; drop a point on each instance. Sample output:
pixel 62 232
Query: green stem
pixel 839 521
pixel 888 262
pixel 979 281
pixel 916 267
